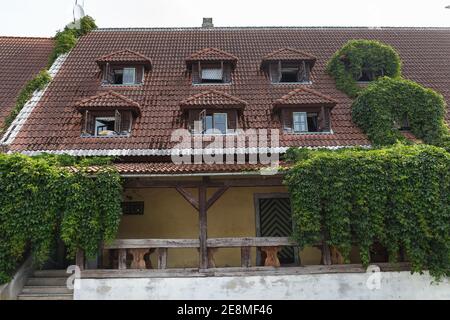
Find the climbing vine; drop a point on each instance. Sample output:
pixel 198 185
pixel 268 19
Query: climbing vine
pixel 387 104
pixel 42 199
pixel 362 57
pixel 397 196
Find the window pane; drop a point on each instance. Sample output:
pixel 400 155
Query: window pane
pixel 104 126
pixel 208 123
pixel 129 76
pixel 220 122
pixel 211 74
pixel 300 122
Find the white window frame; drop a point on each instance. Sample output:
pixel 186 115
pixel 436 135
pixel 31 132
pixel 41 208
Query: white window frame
pixel 134 76
pixel 226 121
pixel 305 117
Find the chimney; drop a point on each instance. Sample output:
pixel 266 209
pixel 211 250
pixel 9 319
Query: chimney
pixel 207 23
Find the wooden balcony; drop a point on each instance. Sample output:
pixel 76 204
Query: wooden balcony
pixel 137 249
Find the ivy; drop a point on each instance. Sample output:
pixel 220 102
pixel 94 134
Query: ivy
pixel 384 105
pixel 42 199
pixel 37 83
pixel 358 56
pixel 397 196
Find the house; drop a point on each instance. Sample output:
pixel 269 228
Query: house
pixel 22 59
pixel 123 92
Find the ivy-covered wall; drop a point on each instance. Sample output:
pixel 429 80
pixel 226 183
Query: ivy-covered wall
pixel 398 196
pixel 41 199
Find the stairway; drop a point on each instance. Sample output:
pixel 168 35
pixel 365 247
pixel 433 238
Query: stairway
pixel 47 285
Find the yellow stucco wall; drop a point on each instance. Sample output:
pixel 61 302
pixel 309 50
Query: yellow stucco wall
pixel 169 215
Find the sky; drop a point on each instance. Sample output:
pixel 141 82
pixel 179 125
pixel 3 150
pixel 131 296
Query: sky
pixel 45 17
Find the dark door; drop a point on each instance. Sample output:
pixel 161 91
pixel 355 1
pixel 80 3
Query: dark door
pixel 275 220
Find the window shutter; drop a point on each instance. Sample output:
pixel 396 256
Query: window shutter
pixel 202 120
pixel 275 74
pixel 301 75
pixel 117 123
pixel 232 119
pixel 193 116
pixel 227 73
pixel 125 121
pixel 109 74
pixel 287 120
pixel 88 123
pixel 195 74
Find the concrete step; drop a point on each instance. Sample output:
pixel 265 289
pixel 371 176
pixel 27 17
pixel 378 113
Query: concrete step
pixel 46 290
pixel 51 274
pixel 43 296
pixel 48 282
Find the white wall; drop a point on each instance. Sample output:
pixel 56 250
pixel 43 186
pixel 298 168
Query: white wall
pixel 393 285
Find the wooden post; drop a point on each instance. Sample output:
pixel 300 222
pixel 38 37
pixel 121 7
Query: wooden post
pixel 203 226
pixel 79 259
pixel 326 254
pixel 122 259
pixel 245 257
pixel 162 258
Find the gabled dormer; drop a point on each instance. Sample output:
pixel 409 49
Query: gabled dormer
pixel 108 114
pixel 211 66
pixel 213 112
pixel 124 68
pixel 288 65
pixel 305 111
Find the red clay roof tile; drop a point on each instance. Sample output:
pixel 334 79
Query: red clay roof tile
pixel 211 54
pixel 305 96
pixel 168 83
pixel 214 99
pixel 108 100
pixel 21 59
pixel 126 55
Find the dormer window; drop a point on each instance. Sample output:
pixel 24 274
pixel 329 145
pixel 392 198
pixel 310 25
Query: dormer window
pixel 212 73
pixel 213 112
pixel 305 111
pixel 124 67
pixel 107 115
pixel 288 66
pixel 211 66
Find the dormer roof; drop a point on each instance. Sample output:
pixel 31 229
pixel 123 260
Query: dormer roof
pixel 213 99
pixel 289 54
pixel 125 56
pixel 305 97
pixel 109 100
pixel 211 54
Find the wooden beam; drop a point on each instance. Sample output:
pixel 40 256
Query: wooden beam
pixel 245 257
pixel 245 182
pixel 250 242
pixel 203 227
pixel 162 258
pixel 122 259
pixel 153 243
pixel 79 259
pixel 189 197
pixel 216 196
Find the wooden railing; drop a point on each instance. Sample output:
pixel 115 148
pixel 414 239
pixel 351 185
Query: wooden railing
pixel 138 248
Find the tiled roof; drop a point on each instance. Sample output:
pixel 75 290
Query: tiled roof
pixel 214 99
pixel 55 125
pixel 211 54
pixel 305 96
pixel 108 100
pixel 20 60
pixel 124 56
pixel 288 54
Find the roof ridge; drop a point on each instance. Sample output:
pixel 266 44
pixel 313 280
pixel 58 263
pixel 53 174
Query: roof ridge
pixel 137 29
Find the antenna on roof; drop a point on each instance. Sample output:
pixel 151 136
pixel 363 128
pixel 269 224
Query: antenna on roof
pixel 78 11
